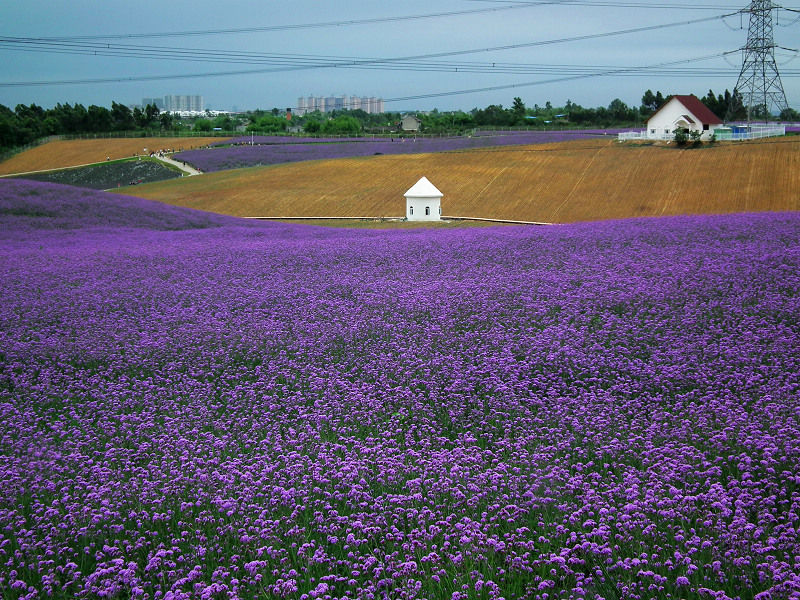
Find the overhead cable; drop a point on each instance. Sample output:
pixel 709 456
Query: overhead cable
pixel 301 61
pixel 288 27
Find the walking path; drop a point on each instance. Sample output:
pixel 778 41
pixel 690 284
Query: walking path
pixel 180 164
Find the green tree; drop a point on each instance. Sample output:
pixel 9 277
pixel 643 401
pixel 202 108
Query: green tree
pixel 789 114
pixel 736 110
pixel 98 119
pixel 202 125
pixel 121 117
pixel 167 120
pixel 343 125
pixel 619 112
pixel 224 122
pixel 493 115
pixel 139 117
pixel 151 115
pixel 312 126
pixel 651 102
pixel 518 110
pixel 268 123
pixel 29 123
pixel 9 127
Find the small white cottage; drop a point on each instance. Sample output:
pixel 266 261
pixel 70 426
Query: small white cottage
pixel 682 112
pixel 423 202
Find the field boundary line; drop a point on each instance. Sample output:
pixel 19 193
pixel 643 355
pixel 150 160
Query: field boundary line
pixel 444 218
pixel 515 222
pixel 326 218
pixel 49 170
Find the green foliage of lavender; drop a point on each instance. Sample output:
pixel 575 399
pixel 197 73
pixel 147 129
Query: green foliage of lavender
pixel 253 410
pixel 109 175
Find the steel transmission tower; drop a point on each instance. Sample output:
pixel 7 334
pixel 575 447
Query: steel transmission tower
pixel 759 83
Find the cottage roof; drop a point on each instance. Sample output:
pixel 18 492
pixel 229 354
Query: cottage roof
pixel 699 110
pixel 423 189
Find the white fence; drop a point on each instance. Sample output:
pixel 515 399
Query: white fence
pixel 735 133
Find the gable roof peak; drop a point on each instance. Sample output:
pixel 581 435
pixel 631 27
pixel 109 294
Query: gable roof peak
pixel 696 108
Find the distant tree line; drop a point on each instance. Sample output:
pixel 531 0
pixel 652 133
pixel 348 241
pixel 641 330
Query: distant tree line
pixel 26 124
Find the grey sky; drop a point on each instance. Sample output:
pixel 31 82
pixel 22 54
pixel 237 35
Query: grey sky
pixel 521 27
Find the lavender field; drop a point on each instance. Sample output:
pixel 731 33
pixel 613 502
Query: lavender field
pixel 198 407
pixel 267 150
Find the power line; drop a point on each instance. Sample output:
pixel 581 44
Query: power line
pixel 612 4
pixel 286 61
pixel 619 4
pixel 615 71
pixel 290 27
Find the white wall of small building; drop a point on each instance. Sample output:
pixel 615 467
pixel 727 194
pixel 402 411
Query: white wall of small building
pixel 415 209
pixel 663 124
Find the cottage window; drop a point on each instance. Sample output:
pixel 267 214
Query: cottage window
pixel 427 210
pixel 411 210
pixel 705 126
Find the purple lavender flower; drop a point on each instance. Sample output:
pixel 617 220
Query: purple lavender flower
pixel 194 406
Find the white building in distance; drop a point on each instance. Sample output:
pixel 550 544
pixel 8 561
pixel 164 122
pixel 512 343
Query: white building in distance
pixel 325 104
pixel 175 103
pixel 423 202
pixel 682 112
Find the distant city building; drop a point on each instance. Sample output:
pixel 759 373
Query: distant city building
pixel 157 102
pixel 175 103
pixel 325 104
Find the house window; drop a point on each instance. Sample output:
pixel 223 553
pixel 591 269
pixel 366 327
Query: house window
pixel 440 210
pixel 652 131
pixel 705 126
pixel 666 131
pixel 427 210
pixel 411 210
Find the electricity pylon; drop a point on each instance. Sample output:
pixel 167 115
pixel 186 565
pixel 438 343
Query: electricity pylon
pixel 759 84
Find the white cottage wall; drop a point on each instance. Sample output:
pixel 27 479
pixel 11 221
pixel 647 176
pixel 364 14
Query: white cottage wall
pixel 423 209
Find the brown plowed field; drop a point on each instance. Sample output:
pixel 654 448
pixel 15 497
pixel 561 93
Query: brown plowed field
pixel 560 183
pixel 71 153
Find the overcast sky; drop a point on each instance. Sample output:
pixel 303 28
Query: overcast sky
pixel 309 47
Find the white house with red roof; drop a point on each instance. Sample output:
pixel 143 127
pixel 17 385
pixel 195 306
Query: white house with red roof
pixel 682 112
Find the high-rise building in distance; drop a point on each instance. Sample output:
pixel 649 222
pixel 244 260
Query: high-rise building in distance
pixel 157 102
pixel 177 103
pixel 327 104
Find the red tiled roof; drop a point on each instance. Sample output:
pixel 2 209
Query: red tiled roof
pixel 697 108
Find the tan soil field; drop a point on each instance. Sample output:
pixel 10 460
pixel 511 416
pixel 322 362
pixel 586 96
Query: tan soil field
pixel 72 153
pixel 559 183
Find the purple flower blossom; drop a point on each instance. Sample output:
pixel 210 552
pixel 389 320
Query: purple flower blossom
pixel 277 150
pixel 192 406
